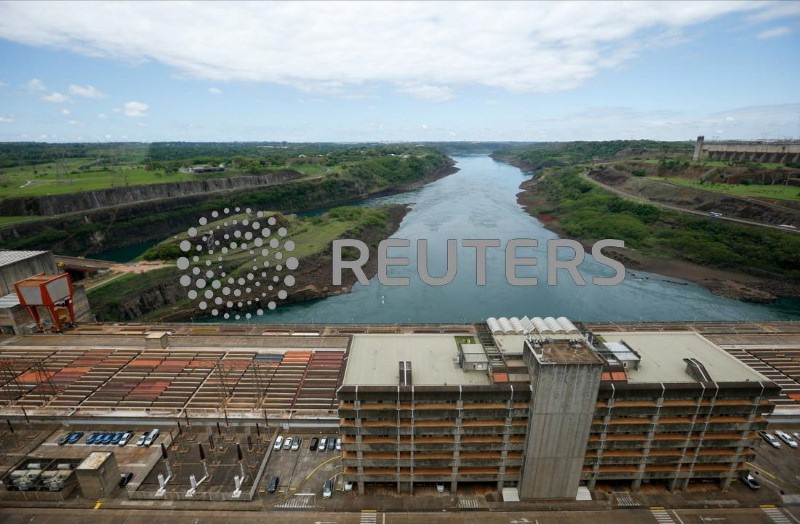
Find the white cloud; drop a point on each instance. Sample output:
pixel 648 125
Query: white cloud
pixel 102 116
pixel 3 84
pixel 428 92
pixel 424 49
pixel 75 122
pixel 215 91
pixel 424 126
pixel 86 91
pixel 6 119
pixel 56 98
pixel 65 111
pixel 775 32
pixel 34 84
pixel 134 109
pixel 609 123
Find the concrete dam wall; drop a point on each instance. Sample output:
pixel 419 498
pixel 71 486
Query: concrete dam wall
pixel 52 205
pixel 765 152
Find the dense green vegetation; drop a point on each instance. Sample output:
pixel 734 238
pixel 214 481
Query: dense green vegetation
pixel 589 213
pixel 571 153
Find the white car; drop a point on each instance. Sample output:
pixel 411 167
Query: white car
pixel 348 486
pixel 786 438
pixel 296 443
pixel 287 444
pixel 771 440
pixel 323 443
pixel 278 444
pixel 796 435
pixel 125 438
pixel 339 444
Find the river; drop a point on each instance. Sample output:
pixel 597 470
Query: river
pixel 479 202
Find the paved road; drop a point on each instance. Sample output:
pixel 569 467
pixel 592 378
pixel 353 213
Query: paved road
pixel 704 214
pixel 626 516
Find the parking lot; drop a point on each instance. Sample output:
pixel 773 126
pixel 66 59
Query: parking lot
pixel 302 473
pixel 130 458
pixel 778 468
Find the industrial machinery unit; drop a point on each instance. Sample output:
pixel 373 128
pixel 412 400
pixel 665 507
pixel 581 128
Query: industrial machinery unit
pixel 53 292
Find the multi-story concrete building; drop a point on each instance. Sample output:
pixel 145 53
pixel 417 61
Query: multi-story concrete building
pixel 410 414
pixel 546 409
pixel 674 407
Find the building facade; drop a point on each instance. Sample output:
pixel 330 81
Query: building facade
pixel 568 409
pixel 699 420
pixel 397 427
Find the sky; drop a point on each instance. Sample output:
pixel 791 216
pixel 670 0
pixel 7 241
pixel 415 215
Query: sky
pixel 385 71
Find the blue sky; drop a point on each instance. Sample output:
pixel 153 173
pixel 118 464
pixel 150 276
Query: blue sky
pixel 395 72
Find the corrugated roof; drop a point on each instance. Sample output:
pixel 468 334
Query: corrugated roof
pixel 10 257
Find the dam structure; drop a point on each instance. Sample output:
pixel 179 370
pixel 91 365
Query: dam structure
pixel 762 151
pixel 505 402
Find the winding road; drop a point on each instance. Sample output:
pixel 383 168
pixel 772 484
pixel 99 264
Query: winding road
pixel 642 200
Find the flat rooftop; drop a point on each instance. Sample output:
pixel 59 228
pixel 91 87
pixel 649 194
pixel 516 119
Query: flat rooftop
pixel 373 361
pixel 663 353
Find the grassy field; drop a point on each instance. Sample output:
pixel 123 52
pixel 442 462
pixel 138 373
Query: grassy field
pixel 76 175
pixel 11 220
pixel 779 192
pixel 310 235
pixel 719 163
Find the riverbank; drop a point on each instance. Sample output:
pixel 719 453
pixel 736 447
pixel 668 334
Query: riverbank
pixel 721 282
pixel 159 296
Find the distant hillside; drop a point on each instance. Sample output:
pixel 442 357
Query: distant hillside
pixel 535 156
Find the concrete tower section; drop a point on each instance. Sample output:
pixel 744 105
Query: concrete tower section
pixel 698 149
pixel 565 377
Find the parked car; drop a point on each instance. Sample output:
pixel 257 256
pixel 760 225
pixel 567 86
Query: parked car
pixel 339 444
pixel 115 438
pixel 63 440
pixel 786 438
pixel 287 444
pixel 750 481
pixel 278 443
pixel 296 443
pixel 796 435
pixel 313 446
pixel 322 443
pixel 327 489
pixel 141 440
pixel 273 484
pixel 75 437
pixel 91 438
pixel 771 440
pixel 439 488
pixel 348 486
pixel 151 438
pixel 125 438
pixel 124 478
pixel 331 443
pixel 107 438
